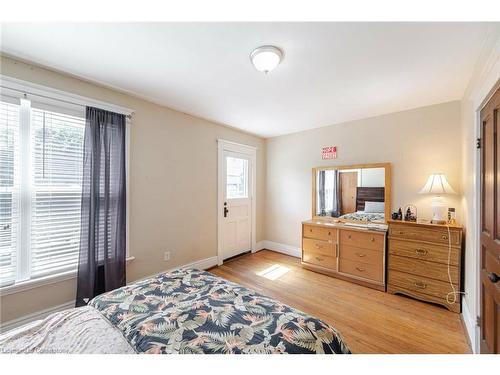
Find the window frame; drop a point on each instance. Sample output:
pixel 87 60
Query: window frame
pixel 66 101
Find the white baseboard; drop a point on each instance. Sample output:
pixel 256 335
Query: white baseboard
pixel 470 325
pixel 282 248
pixel 259 246
pixel 11 324
pixel 202 264
pixel 14 323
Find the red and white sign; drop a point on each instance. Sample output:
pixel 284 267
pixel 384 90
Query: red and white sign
pixel 329 153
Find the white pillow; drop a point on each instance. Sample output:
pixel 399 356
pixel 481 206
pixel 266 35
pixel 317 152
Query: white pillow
pixel 374 207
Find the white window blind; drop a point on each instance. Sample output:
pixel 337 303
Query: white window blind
pixel 57 157
pixel 41 160
pixel 9 190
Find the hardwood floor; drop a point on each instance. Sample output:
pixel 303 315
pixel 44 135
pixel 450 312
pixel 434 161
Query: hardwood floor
pixel 369 320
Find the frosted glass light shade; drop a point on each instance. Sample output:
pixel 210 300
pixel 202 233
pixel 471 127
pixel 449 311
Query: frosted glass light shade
pixel 266 58
pixel 437 184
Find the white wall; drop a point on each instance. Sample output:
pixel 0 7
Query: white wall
pixel 485 77
pixel 416 142
pixel 372 177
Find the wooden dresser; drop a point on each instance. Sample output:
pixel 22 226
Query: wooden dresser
pixel 350 253
pixel 418 261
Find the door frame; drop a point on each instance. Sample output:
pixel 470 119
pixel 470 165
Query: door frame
pixel 251 152
pixel 477 216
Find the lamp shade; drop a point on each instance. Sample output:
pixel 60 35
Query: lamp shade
pixel 437 184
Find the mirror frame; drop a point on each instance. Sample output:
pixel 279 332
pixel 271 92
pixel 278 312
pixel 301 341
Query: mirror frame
pixel 387 189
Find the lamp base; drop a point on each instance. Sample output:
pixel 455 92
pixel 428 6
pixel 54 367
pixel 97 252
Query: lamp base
pixel 438 211
pixel 438 221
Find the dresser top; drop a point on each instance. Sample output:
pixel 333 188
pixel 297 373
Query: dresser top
pixel 424 225
pixel 331 224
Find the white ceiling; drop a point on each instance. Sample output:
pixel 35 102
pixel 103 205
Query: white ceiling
pixel 332 72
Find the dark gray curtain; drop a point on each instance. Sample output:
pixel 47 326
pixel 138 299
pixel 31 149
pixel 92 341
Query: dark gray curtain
pixel 321 192
pixel 336 194
pixel 101 265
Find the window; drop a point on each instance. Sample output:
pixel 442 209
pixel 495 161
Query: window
pixel 9 190
pixel 41 160
pixel 237 178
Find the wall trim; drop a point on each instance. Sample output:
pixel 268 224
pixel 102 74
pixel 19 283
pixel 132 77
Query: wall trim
pixel 14 323
pixel 42 281
pixel 282 248
pixel 259 246
pixel 20 87
pixel 470 325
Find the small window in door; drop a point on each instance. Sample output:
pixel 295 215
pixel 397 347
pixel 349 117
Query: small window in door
pixel 237 178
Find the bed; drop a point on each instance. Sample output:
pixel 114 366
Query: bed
pixel 183 311
pixel 375 197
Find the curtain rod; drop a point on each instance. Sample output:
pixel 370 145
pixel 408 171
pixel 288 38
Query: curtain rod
pixel 51 98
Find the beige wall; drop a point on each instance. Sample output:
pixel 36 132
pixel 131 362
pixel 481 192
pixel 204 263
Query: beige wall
pixel 485 77
pixel 416 142
pixel 173 190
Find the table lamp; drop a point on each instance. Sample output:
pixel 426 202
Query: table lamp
pixel 437 185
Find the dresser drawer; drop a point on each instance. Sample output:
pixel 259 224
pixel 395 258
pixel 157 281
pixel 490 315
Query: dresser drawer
pixel 363 240
pixel 318 247
pixel 357 254
pixel 419 267
pixel 320 233
pixel 364 270
pixel 429 234
pixel 319 259
pixel 420 284
pixel 423 251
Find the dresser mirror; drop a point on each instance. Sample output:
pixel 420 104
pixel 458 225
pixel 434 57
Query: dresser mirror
pixel 359 193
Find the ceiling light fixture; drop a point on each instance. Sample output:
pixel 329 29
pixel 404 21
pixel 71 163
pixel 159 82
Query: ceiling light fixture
pixel 266 58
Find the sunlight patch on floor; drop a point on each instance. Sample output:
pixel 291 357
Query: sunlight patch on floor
pixel 274 272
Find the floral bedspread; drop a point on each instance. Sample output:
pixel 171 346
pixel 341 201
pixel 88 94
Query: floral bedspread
pixel 192 311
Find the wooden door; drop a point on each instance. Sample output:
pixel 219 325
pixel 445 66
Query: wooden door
pixel 348 186
pixel 490 226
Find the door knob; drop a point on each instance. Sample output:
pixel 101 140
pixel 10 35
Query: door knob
pixel 493 277
pixel 225 211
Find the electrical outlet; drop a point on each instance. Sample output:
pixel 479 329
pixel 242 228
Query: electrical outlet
pixel 166 256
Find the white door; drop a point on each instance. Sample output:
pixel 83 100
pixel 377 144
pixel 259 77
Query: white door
pixel 236 205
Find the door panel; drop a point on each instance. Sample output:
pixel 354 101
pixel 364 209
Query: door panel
pixel 490 227
pixel 236 221
pixel 348 189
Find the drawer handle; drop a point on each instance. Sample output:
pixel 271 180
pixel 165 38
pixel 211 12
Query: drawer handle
pixel 319 259
pixel 310 230
pixel 444 237
pixel 360 269
pixel 420 284
pixel 349 236
pixel 318 246
pixel 361 255
pixel 329 233
pixel 372 239
pixel 401 232
pixel 421 252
